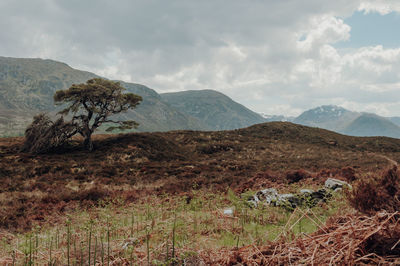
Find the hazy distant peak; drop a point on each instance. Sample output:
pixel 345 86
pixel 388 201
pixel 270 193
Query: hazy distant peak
pixel 332 110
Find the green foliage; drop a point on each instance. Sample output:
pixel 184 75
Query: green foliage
pixel 93 102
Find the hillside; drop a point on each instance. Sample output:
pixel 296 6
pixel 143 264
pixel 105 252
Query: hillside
pixel 215 109
pixel 341 120
pixel 27 87
pixel 372 125
pixel 327 116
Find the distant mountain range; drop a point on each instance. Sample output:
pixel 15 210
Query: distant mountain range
pixel 27 87
pixel 347 122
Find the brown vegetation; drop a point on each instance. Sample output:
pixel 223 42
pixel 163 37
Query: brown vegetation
pixel 375 193
pixel 345 240
pixel 43 135
pixel 41 189
pixel 176 162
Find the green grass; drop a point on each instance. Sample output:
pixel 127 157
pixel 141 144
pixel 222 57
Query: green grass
pixel 161 230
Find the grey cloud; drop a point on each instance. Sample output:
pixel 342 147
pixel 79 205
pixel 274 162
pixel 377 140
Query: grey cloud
pixel 246 49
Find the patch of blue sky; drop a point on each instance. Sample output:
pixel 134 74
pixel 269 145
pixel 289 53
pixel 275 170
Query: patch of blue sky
pixel 372 29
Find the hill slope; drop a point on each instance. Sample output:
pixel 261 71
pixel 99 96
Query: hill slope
pixel 341 120
pixel 372 125
pixel 27 87
pixel 327 116
pixel 215 109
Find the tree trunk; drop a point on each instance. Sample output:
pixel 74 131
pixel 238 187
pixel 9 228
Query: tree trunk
pixel 88 142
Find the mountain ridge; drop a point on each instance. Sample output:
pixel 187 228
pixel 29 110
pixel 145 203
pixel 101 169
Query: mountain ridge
pixel 341 120
pixel 216 109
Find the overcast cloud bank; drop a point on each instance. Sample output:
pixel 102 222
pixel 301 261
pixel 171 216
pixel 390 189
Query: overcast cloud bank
pixel 276 57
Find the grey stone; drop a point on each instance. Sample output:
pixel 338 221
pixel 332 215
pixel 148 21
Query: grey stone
pixel 320 194
pixel 284 199
pixel 253 200
pixel 228 211
pixel 306 191
pixel 267 195
pixel 333 183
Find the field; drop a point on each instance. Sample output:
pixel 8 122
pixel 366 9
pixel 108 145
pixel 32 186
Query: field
pixel 159 198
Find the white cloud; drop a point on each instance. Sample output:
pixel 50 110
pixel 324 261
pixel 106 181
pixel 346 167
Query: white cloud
pixel 382 7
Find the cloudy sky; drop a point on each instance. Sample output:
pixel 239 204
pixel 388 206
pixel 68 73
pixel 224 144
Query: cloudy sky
pixel 276 57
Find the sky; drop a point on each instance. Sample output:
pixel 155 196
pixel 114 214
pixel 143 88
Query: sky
pixel 276 57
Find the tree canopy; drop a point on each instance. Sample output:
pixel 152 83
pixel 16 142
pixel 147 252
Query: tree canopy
pixel 92 103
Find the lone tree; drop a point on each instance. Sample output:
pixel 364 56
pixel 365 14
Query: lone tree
pixel 92 103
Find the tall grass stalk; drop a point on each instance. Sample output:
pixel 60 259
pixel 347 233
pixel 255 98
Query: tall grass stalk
pixel 148 245
pixel 51 246
pixel 95 250
pixel 173 237
pixel 102 250
pixel 75 253
pixel 13 258
pixel 108 242
pixel 81 253
pixel 68 241
pixel 90 240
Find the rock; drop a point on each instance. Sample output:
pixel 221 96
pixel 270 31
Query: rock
pixel 253 200
pixel 318 196
pixel 267 195
pixel 288 200
pixel 228 211
pixel 333 183
pixel 306 191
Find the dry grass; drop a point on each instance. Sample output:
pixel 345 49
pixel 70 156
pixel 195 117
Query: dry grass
pixel 154 227
pixel 377 192
pixel 345 240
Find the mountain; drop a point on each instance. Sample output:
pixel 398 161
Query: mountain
pixel 277 118
pixel 372 125
pixel 341 120
pixel 27 87
pixel 216 110
pixel 395 120
pixel 330 117
pixel 154 114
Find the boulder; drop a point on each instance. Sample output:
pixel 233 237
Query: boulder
pixel 253 201
pixel 320 194
pixel 288 200
pixel 333 183
pixel 306 191
pixel 267 195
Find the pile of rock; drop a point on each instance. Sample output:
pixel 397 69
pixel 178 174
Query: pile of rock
pixel 306 197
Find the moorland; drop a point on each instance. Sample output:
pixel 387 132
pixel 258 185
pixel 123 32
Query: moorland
pixel 159 198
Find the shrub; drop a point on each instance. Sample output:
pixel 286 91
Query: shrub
pixel 376 193
pixel 296 176
pixel 43 134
